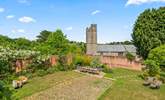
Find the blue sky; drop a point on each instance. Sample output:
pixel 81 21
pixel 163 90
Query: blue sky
pixel 115 18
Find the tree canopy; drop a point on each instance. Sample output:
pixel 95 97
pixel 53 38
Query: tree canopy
pixel 58 42
pixel 158 55
pixel 22 43
pixel 43 36
pixel 149 31
pixel 6 41
pixel 124 43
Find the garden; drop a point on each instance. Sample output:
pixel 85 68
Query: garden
pixel 52 67
pixel 24 66
pixel 128 85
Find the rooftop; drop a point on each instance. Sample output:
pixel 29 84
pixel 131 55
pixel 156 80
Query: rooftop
pixel 116 48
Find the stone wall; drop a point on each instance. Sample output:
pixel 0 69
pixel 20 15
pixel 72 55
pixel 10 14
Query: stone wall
pixel 120 62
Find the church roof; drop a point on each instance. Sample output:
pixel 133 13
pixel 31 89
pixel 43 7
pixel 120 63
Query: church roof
pixel 116 48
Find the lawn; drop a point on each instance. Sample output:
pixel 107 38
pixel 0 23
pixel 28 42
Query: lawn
pixel 63 85
pixel 128 86
pixel 76 86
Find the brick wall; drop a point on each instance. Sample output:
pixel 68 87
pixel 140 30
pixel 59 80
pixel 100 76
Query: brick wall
pixel 53 60
pixel 21 64
pixel 121 62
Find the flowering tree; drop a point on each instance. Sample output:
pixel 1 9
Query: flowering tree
pixel 7 56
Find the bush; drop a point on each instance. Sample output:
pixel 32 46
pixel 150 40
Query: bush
pixel 106 69
pixel 152 68
pixel 66 63
pixel 53 69
pixel 82 60
pixel 41 72
pixel 27 73
pixel 87 60
pixel 79 60
pixel 144 75
pixel 4 67
pixel 9 78
pixel 158 55
pixel 5 92
pixel 95 62
pixel 162 79
pixel 50 70
pixel 162 74
pixel 130 56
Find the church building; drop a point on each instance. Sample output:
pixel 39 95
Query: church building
pixel 93 48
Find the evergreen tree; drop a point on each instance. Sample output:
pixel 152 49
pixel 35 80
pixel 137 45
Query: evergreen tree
pixel 149 31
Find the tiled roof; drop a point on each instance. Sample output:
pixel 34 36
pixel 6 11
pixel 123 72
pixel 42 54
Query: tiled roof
pixel 116 48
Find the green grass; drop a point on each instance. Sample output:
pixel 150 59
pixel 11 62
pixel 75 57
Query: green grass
pixel 130 88
pixel 38 84
pixel 63 85
pixel 119 72
pixel 127 86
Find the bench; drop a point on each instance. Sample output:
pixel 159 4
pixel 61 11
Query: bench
pixel 89 70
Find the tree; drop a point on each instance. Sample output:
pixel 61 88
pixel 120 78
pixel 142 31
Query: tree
pixel 22 43
pixel 57 43
pixel 77 47
pixel 43 36
pixel 6 41
pixel 124 43
pixel 149 31
pixel 158 55
pixel 152 67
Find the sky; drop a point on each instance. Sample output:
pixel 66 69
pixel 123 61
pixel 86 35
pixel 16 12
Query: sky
pixel 114 18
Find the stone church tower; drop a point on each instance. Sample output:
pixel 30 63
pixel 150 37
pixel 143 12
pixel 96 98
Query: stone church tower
pixel 91 40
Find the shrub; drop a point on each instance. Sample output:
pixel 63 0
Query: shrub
pixel 78 60
pixel 82 60
pixel 5 68
pixel 144 75
pixel 162 79
pixel 10 78
pixel 50 70
pixel 41 72
pixel 130 56
pixel 95 62
pixel 158 55
pixel 27 73
pixel 5 92
pixel 162 74
pixel 87 60
pixel 106 69
pixel 152 68
pixel 53 69
pixel 66 62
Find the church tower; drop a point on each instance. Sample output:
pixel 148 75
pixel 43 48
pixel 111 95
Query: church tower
pixel 91 40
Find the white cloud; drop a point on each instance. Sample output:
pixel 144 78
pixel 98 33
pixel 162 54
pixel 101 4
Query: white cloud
pixel 18 30
pixel 10 17
pixel 69 28
pixel 2 10
pixel 21 30
pixel 26 19
pixel 95 12
pixel 138 2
